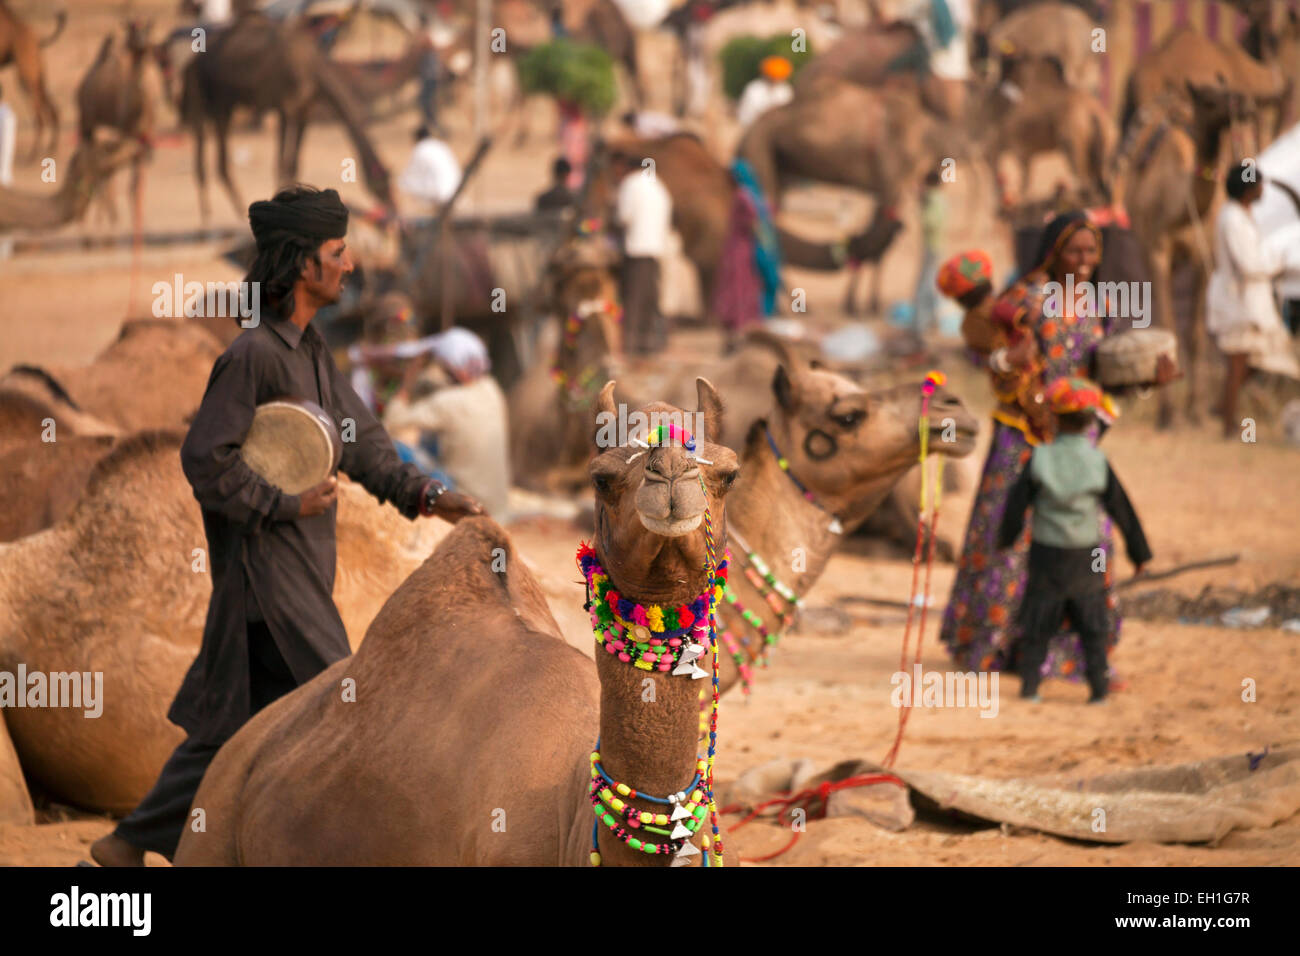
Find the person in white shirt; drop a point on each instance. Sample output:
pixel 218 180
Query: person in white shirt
pixel 433 174
pixel 767 91
pixel 645 211
pixel 8 138
pixel 1241 311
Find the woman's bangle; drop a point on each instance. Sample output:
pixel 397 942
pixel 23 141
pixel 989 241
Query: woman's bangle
pixel 998 361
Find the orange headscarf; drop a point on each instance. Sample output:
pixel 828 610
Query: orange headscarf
pixel 776 68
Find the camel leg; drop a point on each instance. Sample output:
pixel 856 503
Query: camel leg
pixel 200 170
pixel 223 164
pixel 1197 340
pixel 1159 261
pixel 295 148
pixel 873 301
pixel 851 289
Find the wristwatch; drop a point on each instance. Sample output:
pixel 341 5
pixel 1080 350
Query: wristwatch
pixel 429 495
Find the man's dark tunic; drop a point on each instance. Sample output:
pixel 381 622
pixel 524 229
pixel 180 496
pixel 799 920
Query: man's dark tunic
pixel 267 563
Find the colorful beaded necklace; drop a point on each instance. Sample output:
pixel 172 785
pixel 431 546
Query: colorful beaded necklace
pixel 578 389
pixel 652 638
pixel 835 527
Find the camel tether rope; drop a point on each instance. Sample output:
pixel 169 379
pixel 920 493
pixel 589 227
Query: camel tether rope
pixel 663 639
pixel 818 798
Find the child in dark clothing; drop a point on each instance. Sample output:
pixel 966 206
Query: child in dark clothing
pixel 1068 481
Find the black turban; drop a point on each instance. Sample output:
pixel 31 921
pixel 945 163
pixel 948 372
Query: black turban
pixel 299 212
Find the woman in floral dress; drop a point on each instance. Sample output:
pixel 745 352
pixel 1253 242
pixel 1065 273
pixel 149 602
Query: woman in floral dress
pixel 1037 336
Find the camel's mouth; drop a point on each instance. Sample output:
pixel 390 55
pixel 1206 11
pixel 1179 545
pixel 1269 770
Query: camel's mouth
pixel 671 529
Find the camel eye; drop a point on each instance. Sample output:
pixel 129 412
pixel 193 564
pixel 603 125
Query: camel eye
pixel 850 419
pixel 728 478
pixel 601 482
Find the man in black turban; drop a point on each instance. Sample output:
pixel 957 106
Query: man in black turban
pixel 272 624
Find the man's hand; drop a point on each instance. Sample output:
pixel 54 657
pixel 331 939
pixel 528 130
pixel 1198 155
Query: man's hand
pixel 1139 571
pixel 452 506
pixel 1166 371
pixel 316 501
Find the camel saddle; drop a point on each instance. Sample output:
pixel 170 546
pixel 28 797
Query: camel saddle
pixel 1129 358
pixel 293 444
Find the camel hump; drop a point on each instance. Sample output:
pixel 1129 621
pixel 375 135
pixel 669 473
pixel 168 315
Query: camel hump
pixel 44 377
pixel 191 330
pixel 130 451
pixel 475 570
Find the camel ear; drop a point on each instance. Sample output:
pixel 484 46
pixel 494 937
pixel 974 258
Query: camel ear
pixel 784 390
pixel 606 418
pixel 709 403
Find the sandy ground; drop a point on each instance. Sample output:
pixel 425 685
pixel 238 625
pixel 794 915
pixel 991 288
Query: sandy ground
pixel 826 697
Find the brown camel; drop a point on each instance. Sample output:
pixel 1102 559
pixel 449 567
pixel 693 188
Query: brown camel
pixel 20 46
pixel 1168 175
pixel 15 801
pixel 488 777
pixel 84 172
pixel 1060 33
pixel 41 481
pixel 1025 121
pixel 118 587
pixel 866 56
pixel 885 151
pixel 112 95
pixel 266 65
pixel 702 191
pixel 1186 59
pixel 151 376
pixel 30 398
pixel 550 406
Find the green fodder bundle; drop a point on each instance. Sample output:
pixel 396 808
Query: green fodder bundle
pixel 577 72
pixel 742 55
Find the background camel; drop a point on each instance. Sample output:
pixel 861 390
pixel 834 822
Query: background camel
pixel 1060 33
pixel 113 95
pixel 118 587
pixel 1169 179
pixel 702 191
pixel 83 172
pixel 152 376
pixel 269 66
pixel 470 707
pixel 20 46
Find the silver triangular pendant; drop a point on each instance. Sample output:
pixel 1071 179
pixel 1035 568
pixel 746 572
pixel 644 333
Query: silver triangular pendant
pixel 697 672
pixel 679 832
pixel 683 856
pixel 691 651
pixel 685 667
pixel 679 813
pixel 835 527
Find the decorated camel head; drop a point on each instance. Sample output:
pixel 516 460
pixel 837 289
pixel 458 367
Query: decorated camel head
pixel 584 295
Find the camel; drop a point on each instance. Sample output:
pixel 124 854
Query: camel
pixel 113 95
pixel 151 376
pixel 84 172
pixel 702 191
pixel 550 405
pixel 1168 175
pixel 260 63
pixel 863 55
pixel 15 801
pixel 41 481
pixel 1053 115
pixel 885 151
pixel 1056 32
pixel 20 46
pixel 118 587
pixel 1186 58
pixel 312 779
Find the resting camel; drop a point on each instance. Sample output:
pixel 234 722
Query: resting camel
pixel 112 95
pixel 1168 179
pixel 266 65
pixel 151 376
pixel 884 149
pixel 20 46
pixel 486 778
pixel 117 587
pixel 702 191
pixel 84 172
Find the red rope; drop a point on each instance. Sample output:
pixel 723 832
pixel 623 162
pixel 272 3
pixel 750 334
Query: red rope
pixel 821 793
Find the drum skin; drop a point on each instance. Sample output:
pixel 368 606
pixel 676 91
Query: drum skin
pixel 1129 358
pixel 293 444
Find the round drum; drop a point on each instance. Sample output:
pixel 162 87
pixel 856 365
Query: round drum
pixel 1129 357
pixel 292 444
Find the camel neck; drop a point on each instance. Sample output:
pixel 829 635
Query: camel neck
pixel 649 731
